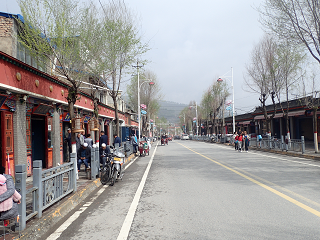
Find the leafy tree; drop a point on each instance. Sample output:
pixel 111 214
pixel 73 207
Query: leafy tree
pixel 149 95
pixel 54 32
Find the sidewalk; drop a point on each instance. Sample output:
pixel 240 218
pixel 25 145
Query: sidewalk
pixel 309 151
pixel 37 227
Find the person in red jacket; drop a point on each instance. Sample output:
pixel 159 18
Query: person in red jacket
pixel 240 142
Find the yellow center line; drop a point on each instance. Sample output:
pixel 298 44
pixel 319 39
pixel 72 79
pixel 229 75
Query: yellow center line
pixel 299 204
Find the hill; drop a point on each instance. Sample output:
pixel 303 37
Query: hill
pixel 170 110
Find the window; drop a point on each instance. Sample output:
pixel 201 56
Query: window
pixel 49 132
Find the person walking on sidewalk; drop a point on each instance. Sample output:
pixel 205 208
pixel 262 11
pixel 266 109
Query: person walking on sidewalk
pixel 235 140
pixel 246 141
pixel 84 156
pixel 134 143
pixel 239 142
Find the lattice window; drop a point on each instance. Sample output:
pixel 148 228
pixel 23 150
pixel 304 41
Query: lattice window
pixel 28 133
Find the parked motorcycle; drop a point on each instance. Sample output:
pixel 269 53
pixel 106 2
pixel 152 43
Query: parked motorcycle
pixel 113 169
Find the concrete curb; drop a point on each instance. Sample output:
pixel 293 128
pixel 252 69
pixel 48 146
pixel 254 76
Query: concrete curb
pixel 41 226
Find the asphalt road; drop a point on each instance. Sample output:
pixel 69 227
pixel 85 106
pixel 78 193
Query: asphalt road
pixel 193 190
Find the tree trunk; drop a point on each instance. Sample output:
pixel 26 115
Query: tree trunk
pixel 73 135
pixel 288 129
pixel 116 119
pixel 315 130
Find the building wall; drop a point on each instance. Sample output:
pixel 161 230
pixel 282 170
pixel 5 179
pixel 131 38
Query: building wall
pixel 7 27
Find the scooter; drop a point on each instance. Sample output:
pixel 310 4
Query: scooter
pixel 113 168
pixel 116 162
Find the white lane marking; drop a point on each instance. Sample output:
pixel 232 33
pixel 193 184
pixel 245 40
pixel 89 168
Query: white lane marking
pixel 66 224
pixel 275 157
pixel 125 229
pixel 71 219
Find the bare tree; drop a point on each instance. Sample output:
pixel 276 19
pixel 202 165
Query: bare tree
pixel 263 76
pixel 289 60
pixel 311 101
pixel 122 44
pixel 298 22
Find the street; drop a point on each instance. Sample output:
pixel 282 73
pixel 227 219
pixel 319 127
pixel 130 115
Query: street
pixel 195 190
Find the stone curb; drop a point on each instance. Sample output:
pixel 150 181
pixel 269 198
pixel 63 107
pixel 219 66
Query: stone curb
pixel 42 226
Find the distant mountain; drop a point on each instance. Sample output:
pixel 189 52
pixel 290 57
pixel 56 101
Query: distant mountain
pixel 170 110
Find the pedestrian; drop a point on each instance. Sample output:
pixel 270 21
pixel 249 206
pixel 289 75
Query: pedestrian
pixel 13 212
pixel 78 141
pixel 134 143
pixel 239 142
pixel 82 137
pixel 84 156
pixel 236 137
pixel 246 141
pixel 68 141
pixel 116 140
pixel 103 152
pixel 7 204
pixel 260 140
pixel 103 138
pixel 89 140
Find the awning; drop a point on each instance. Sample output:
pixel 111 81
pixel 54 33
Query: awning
pixel 296 113
pixel 245 122
pixel 259 117
pixel 277 115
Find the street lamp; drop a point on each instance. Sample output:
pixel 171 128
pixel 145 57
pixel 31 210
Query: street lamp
pixel 196 116
pixel 233 112
pixel 139 108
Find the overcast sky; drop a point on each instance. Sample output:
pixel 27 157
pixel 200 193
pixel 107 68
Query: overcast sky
pixel 194 42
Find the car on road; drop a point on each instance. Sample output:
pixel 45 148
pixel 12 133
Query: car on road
pixel 170 138
pixel 185 137
pixel 176 137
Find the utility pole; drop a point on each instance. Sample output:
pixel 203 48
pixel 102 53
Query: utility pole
pixel 139 110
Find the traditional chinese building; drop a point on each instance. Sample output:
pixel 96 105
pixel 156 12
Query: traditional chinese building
pixel 33 107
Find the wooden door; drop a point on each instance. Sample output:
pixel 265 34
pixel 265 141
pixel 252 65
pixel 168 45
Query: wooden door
pixel 7 142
